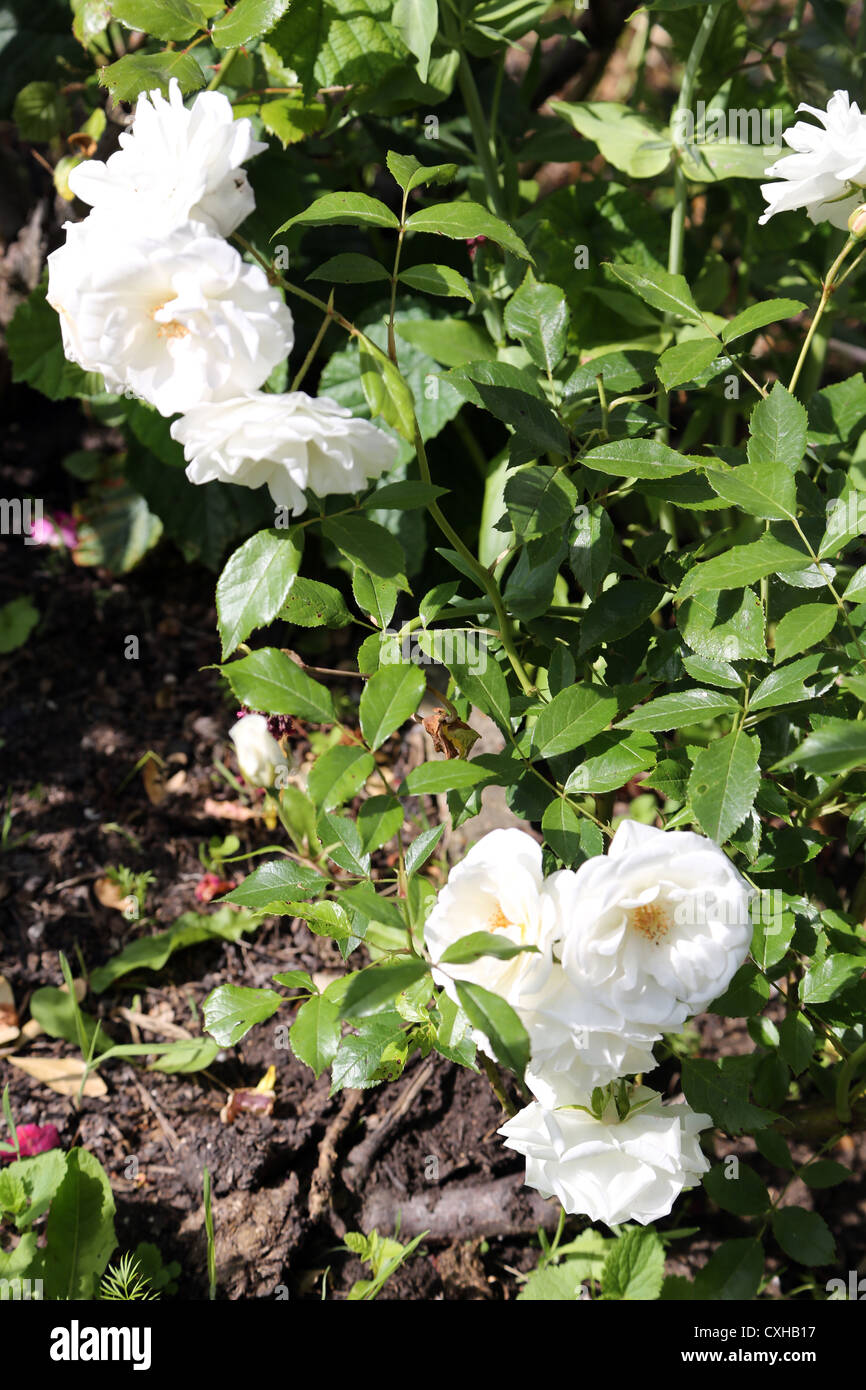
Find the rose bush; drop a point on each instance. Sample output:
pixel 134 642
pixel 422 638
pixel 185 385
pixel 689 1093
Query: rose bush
pixel 584 458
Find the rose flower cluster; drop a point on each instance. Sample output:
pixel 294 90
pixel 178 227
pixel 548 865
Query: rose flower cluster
pixel 627 947
pixel 152 296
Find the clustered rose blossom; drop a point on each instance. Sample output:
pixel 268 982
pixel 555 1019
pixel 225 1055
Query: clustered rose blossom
pixel 629 945
pixel 152 296
pixel 826 173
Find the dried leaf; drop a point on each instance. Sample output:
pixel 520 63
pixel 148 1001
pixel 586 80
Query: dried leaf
pixel 450 735
pixel 8 1013
pixel 153 778
pixel 60 1074
pixel 228 810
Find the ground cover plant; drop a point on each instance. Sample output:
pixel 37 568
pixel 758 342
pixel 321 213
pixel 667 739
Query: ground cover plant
pixel 492 369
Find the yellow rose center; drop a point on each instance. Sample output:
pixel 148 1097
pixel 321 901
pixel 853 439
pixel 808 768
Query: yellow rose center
pixel 651 920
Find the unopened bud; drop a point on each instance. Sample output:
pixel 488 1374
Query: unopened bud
pixel 857 222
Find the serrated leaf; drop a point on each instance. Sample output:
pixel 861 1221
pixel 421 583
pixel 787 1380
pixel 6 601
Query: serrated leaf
pixel 255 583
pixel 389 698
pixel 685 361
pixel 537 316
pixel 269 680
pixel 343 210
pixel 804 1236
pixel 164 19
pixel 723 785
pixel 310 603
pixel 246 21
pixel 742 565
pixel 634 1268
pixel 278 881
pixel 572 718
pixel 464 221
pixel 638 458
pixel 438 280
pixel 229 1012
pixel 373 989
pixel 759 316
pixel 338 775
pixel 660 289
pixel 143 72
pixel 679 709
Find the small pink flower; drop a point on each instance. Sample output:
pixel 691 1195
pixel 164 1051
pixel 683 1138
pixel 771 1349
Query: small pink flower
pixel 211 886
pixel 54 531
pixel 33 1140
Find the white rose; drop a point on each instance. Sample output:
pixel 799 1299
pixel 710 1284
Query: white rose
pixel 608 1169
pixel 174 165
pixel 179 320
pixel 658 927
pixel 829 162
pixel 577 1043
pixel 498 888
pixel 258 753
pixel 290 442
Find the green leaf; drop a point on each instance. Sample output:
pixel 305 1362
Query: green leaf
pixel 743 564
pixel 343 210
pixel 338 775
pixel 41 1177
pixel 340 43
pixel 143 72
pixel 611 760
pixel 246 21
pixel 827 978
pixel 777 429
pixel 481 943
pixel 634 143
pixel 309 603
pixel 637 458
pixel 229 1012
pixel 540 499
pixel 376 1054
pixel 465 220
pixel 618 611
pixel 315 1033
pixel 437 279
pixel 152 952
pixel 733 1272
pixel 804 1236
pixel 379 819
pixel 796 1042
pixel 186 1055
pixel 685 361
pixel 836 747
pixel 450 774
pixel 787 684
pixel 369 545
pixel 746 995
pixel 269 680
pixel 537 316
pixel 255 584
pixel 417 22
pixel 572 718
pixel 405 496
pixel 724 627
pixel 759 316
pixel 825 1173
pixel 766 490
pixel 378 599
pixel 723 785
pixel 343 843
pixel 79 1233
pixel 571 837
pixel 660 289
pixel 373 989
pixel 451 341
pixel 679 709
pixel 499 1023
pixel 291 119
pixel 39 111
pixel 634 1268
pixel 389 698
pixel 721 1089
pixel 349 268
pixel 18 618
pixel 36 351
pixel 727 159
pixel 804 627
pixel 410 173
pixel 421 848
pixel 164 19
pixel 742 1193
pixel 278 881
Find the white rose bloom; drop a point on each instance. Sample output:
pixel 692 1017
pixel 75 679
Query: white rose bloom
pixel 497 888
pixel 577 1043
pixel 658 927
pixel 179 320
pixel 828 163
pixel 290 442
pixel 258 753
pixel 608 1169
pixel 174 165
